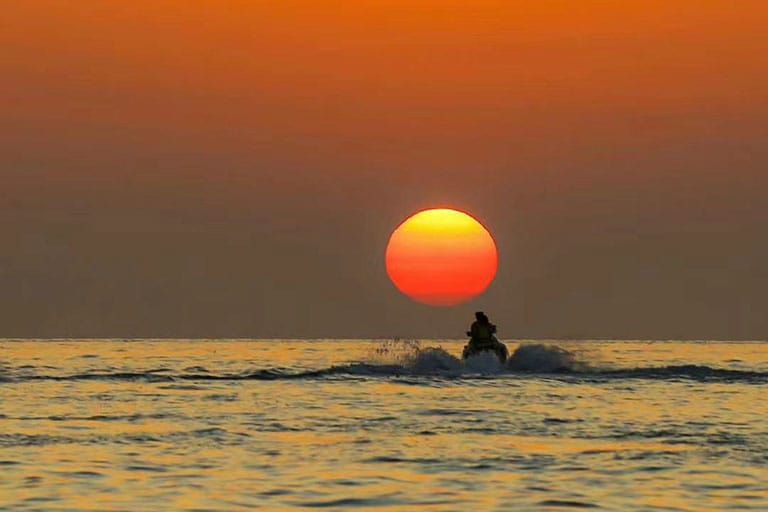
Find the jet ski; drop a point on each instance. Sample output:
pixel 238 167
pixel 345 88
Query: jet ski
pixel 475 347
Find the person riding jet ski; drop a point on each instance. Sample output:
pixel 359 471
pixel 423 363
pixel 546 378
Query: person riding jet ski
pixel 482 335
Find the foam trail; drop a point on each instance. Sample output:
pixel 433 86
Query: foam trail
pixel 408 358
pixel 484 363
pixel 413 359
pixel 433 360
pixel 542 358
pixel 532 357
pixel 425 367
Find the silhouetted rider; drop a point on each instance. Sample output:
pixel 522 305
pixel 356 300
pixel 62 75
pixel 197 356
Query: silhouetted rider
pixel 481 332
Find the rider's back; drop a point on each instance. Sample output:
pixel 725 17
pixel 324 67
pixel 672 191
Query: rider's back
pixel 482 334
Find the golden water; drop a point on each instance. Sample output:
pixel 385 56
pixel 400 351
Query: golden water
pixel 281 425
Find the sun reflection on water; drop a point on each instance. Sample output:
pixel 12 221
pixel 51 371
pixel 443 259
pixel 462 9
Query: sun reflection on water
pixel 151 429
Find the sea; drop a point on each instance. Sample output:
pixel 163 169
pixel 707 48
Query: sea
pixel 220 425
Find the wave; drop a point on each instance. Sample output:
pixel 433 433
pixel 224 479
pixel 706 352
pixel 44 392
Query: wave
pixel 408 359
pixel 689 371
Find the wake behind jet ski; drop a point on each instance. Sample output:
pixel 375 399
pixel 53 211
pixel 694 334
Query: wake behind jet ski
pixel 482 335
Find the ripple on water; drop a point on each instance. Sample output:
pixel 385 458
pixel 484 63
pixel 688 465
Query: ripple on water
pixel 220 397
pixel 185 387
pixel 148 468
pixel 276 492
pixel 567 504
pixel 378 501
pixel 323 437
pixel 81 474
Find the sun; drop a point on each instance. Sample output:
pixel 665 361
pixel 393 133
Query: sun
pixel 441 257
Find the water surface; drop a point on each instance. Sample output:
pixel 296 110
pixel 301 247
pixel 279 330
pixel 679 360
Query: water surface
pixel 280 425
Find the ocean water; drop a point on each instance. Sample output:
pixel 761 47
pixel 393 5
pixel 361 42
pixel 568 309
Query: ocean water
pixel 382 425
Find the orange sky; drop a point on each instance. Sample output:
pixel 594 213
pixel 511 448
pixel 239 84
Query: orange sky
pixel 373 73
pixel 616 147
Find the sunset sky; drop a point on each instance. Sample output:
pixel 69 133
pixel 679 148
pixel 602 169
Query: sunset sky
pixel 235 168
